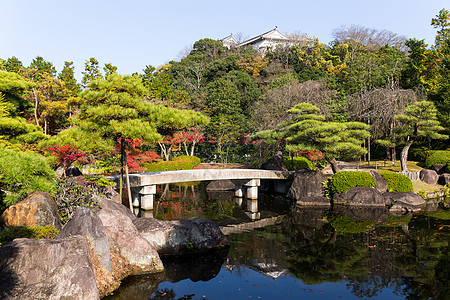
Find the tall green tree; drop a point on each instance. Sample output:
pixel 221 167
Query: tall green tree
pixel 442 22
pixel 91 71
pixel 115 108
pixel 67 75
pixel 419 121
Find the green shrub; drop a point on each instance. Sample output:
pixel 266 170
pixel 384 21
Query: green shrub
pixel 345 180
pixel 397 182
pixel 30 232
pixel 296 163
pixel 22 173
pixel 437 157
pixel 178 163
pixel 74 193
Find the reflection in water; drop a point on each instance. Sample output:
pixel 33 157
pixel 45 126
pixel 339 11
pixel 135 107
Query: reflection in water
pixel 305 253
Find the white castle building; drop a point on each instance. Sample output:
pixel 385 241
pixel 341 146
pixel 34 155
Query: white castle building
pixel 266 41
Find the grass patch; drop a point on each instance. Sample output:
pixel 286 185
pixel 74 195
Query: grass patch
pixel 420 186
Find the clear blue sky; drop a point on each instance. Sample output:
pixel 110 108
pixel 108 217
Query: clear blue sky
pixel 133 33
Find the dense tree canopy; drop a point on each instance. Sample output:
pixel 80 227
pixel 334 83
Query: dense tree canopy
pixel 364 75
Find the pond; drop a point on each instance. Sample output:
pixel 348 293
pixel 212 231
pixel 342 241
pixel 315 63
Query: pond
pixel 313 253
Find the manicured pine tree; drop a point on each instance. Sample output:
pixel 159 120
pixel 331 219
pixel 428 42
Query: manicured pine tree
pixel 418 122
pixel 308 130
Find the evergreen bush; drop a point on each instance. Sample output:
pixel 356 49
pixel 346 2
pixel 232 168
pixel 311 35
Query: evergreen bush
pixel 179 163
pixel 296 163
pixel 437 157
pixel 22 173
pixel 345 180
pixel 397 182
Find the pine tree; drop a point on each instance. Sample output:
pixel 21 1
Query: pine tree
pixel 418 121
pixel 116 108
pixel 308 130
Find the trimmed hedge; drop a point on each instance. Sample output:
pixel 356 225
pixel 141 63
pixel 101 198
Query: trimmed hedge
pixel 437 157
pixel 397 182
pixel 178 163
pixel 344 180
pixel 296 163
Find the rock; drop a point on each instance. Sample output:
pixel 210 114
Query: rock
pixel 73 171
pixel 381 184
pixel 124 238
pixel 403 208
pixel 360 196
pixel 314 201
pixel 86 223
pixel 220 185
pixel 47 269
pixel 307 188
pixel 276 162
pixel 38 209
pixel 444 179
pixel 440 168
pixel 183 236
pixel 404 197
pixel 429 176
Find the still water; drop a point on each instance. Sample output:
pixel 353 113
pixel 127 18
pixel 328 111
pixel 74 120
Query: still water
pixel 279 252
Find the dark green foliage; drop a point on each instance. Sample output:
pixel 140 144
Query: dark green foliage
pixel 178 163
pixel 397 182
pixel 22 173
pixel 437 157
pixel 73 194
pixel 345 180
pixel 295 163
pixel 30 232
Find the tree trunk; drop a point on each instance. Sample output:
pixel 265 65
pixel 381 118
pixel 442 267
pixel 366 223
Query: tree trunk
pixel 334 165
pixel 35 107
pixel 404 155
pixel 122 147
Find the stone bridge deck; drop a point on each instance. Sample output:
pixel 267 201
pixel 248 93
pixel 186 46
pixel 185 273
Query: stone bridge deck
pixel 143 185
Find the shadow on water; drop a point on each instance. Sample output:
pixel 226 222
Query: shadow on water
pixel 198 267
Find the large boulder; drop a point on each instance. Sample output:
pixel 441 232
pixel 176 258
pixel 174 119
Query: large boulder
pixel 276 162
pixel 380 183
pixel 440 168
pixel 403 208
pixel 360 196
pixel 38 209
pixel 220 185
pixel 444 179
pixel 428 176
pixel 86 223
pixel 47 269
pixel 183 236
pixel 404 197
pixel 307 188
pixel 124 238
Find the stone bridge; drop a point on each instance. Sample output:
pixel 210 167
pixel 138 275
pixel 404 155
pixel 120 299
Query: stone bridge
pixel 143 185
